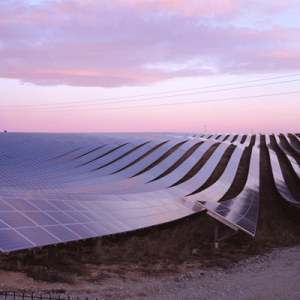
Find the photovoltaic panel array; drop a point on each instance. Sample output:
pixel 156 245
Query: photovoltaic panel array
pixel 57 188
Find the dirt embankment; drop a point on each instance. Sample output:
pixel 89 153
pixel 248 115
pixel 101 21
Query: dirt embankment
pixel 271 276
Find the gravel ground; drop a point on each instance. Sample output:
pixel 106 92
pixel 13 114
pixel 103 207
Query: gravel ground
pixel 271 276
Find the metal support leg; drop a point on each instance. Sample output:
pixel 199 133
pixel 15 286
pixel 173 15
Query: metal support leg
pixel 222 232
pixel 217 233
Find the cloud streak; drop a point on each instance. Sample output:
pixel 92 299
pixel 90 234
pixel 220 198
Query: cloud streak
pixel 118 43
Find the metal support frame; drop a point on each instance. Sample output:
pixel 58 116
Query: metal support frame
pixel 221 232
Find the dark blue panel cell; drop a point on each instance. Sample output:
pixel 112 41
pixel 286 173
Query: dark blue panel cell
pixel 110 226
pixel 43 205
pixel 6 194
pixel 77 205
pixel 5 207
pixel 61 205
pixel 61 217
pixel 38 236
pixel 15 219
pixel 62 233
pixel 100 230
pixel 93 216
pixel 20 204
pixel 82 231
pixel 3 225
pixel 40 218
pixel 79 217
pixel 11 240
pixel 60 197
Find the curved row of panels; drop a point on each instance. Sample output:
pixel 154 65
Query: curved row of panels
pixel 64 187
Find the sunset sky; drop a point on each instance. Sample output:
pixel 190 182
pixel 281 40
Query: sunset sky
pixel 152 65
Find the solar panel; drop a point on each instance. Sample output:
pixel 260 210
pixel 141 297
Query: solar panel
pixel 217 190
pixel 63 187
pixel 240 212
pixel 278 176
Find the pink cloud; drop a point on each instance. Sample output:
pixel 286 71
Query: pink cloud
pixel 186 8
pixel 134 42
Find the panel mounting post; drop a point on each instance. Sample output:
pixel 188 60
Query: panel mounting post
pixel 222 231
pixel 217 233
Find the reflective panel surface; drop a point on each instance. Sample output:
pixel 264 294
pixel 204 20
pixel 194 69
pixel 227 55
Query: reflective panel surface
pixel 57 188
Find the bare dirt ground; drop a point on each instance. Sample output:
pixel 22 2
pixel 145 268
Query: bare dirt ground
pixel 274 275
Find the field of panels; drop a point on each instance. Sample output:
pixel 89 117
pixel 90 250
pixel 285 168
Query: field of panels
pixel 58 188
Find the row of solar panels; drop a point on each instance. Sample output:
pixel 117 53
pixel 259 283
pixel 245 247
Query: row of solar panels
pixel 63 187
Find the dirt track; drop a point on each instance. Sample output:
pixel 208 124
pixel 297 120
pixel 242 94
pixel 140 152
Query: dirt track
pixel 271 276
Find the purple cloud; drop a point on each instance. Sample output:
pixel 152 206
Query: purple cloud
pixel 135 42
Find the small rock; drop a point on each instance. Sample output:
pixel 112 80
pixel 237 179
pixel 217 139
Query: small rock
pixel 196 252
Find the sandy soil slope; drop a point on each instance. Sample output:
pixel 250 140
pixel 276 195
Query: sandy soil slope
pixel 270 276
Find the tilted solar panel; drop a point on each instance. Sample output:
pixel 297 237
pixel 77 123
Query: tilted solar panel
pixel 63 187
